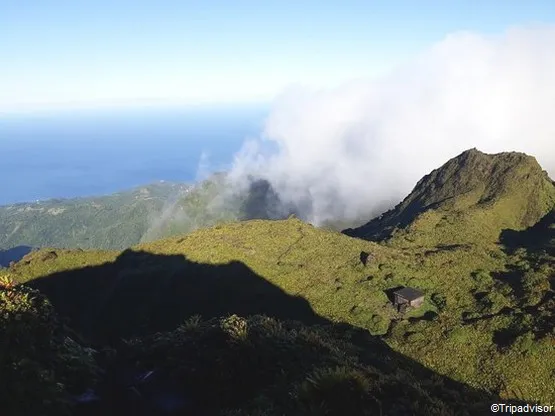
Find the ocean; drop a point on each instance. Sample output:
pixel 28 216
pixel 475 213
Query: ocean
pixel 89 153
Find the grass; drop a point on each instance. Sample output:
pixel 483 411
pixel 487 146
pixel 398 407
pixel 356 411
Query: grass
pixel 324 268
pixel 143 214
pixel 228 366
pixel 471 198
pixel 487 320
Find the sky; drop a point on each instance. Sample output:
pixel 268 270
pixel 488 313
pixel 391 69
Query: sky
pixel 57 54
pixel 352 151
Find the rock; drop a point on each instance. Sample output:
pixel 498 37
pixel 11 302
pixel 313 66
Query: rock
pixel 51 255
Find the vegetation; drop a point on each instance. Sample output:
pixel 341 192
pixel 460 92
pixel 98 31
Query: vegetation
pixel 121 220
pixel 109 222
pixel 262 366
pixel 470 199
pixel 205 204
pixel 41 365
pixel 476 236
pixel 226 366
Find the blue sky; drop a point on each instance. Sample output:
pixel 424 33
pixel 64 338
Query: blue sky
pixel 107 52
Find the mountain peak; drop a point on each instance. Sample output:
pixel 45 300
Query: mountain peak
pixel 504 190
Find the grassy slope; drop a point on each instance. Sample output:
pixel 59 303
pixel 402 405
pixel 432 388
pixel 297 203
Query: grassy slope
pixel 324 268
pixel 454 226
pixel 470 199
pixel 489 310
pixel 256 366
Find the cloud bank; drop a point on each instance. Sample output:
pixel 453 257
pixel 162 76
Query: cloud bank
pixel 351 152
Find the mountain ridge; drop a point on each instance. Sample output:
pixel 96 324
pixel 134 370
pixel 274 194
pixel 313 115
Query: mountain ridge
pixel 510 187
pixel 482 256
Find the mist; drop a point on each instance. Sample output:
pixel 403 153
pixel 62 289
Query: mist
pixel 350 153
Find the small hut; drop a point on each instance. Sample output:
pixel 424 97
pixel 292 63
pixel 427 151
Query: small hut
pixel 407 296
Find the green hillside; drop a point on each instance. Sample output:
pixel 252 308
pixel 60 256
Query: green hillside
pixel 474 311
pixel 256 366
pixel 205 204
pixel 470 199
pixel 476 236
pixel 121 220
pixel 111 222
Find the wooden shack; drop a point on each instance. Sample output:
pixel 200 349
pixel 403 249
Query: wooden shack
pixel 408 296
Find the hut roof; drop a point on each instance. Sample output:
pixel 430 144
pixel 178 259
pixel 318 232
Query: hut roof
pixel 409 293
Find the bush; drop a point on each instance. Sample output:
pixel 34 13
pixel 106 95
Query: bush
pixel 416 337
pixel 439 301
pixel 493 302
pixel 335 391
pixel 377 325
pixel 40 365
pixel 525 344
pixel 235 327
pixel 285 368
pixel 534 284
pixel 482 278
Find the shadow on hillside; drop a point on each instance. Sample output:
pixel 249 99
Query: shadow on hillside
pixel 512 277
pixel 13 254
pixel 262 202
pixel 537 238
pixel 142 293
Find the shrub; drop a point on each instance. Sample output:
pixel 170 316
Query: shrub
pixel 235 327
pixel 439 301
pixel 191 323
pixel 7 282
pixel 377 325
pixel 535 282
pixel 416 337
pixel 40 365
pixel 482 278
pixel 525 344
pixel 335 391
pixel 493 301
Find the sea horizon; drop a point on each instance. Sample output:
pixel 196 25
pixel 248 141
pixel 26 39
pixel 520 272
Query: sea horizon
pixel 87 153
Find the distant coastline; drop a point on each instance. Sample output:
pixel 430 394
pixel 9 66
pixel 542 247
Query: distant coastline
pixel 87 154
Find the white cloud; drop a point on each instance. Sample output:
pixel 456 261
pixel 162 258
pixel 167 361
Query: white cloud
pixel 354 148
